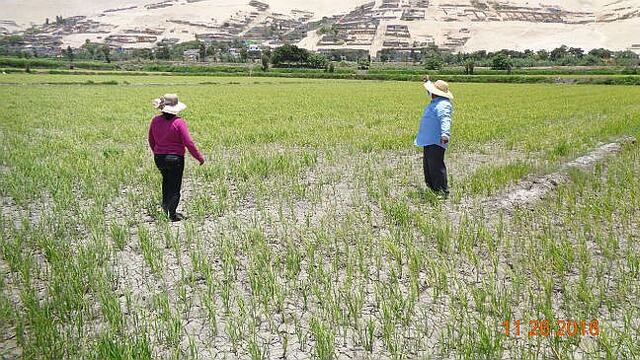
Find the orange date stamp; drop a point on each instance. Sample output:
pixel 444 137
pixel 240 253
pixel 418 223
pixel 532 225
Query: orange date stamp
pixel 544 328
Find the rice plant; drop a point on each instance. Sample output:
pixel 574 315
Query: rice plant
pixel 309 232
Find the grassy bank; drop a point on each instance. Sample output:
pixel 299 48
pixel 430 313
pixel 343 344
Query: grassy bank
pixel 281 73
pixel 574 75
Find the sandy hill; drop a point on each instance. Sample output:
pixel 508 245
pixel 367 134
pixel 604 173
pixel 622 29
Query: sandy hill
pixel 461 25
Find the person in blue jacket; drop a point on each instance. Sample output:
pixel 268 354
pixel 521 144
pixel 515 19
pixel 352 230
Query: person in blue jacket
pixel 434 135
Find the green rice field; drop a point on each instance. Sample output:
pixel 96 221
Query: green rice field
pixel 310 234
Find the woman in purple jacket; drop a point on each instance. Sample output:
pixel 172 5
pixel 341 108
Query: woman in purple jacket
pixel 168 137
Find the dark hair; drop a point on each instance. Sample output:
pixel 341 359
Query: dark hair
pixel 168 116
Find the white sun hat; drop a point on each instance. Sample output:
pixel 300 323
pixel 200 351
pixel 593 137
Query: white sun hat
pixel 169 104
pixel 439 88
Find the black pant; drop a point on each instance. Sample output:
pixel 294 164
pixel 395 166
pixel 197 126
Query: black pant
pixel 435 171
pixel 172 168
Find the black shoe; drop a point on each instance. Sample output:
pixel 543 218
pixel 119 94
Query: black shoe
pixel 176 217
pixel 442 195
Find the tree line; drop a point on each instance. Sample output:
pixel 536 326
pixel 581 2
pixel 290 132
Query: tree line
pixel 292 56
pixel 435 58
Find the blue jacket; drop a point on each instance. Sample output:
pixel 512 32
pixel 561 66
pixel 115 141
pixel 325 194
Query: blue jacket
pixel 436 122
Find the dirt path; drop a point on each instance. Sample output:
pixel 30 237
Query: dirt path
pixel 529 191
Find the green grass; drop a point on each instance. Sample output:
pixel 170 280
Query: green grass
pixel 500 176
pixel 488 76
pixel 376 68
pixel 310 232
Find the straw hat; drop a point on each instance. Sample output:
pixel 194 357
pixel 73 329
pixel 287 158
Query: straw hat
pixel 169 104
pixel 439 88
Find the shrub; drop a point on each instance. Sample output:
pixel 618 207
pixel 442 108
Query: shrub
pixel 501 62
pixel 317 61
pixel 433 63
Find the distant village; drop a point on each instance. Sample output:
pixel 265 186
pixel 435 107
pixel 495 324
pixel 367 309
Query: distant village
pixel 384 26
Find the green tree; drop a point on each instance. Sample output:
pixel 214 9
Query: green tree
pixel 479 55
pixel 265 63
pixel 433 62
pixel 633 67
pixel 577 52
pixel 11 40
pixel 106 51
pixel 364 64
pixel 384 55
pixel 627 54
pixel 317 61
pixel 449 58
pixel 267 51
pixel 142 54
pixel 626 58
pixel 331 68
pixel 212 53
pixel 203 51
pixel 163 52
pixel 432 58
pixel 590 60
pixel 413 56
pixel 92 48
pixel 601 53
pixel 244 54
pixel 69 53
pixel 542 55
pixel 469 67
pixel 289 54
pixel 501 62
pixel 558 53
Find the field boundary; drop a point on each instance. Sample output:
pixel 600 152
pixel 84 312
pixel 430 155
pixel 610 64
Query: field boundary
pixel 498 79
pixel 529 191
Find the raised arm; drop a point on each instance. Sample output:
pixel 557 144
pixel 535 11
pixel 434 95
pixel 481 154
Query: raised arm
pixel 427 81
pixel 188 142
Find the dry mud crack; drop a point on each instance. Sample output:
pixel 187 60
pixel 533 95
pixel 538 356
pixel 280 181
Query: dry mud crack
pixel 132 274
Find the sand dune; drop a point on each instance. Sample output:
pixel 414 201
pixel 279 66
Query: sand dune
pixel 27 11
pixel 36 11
pixel 183 19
